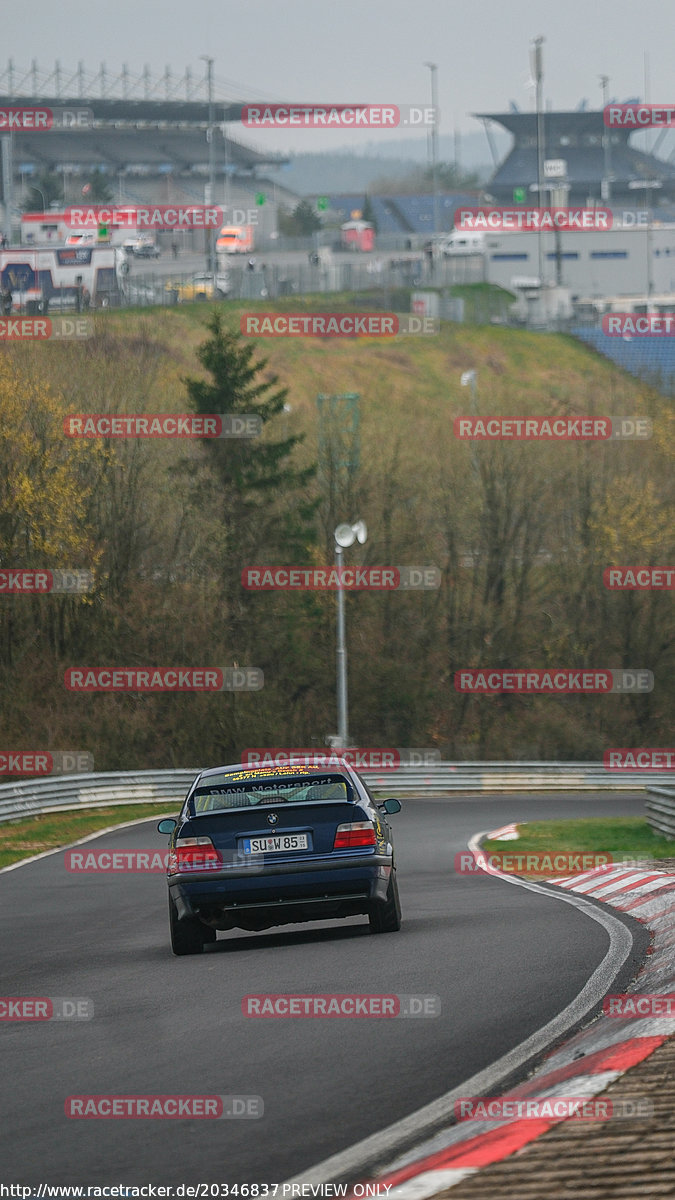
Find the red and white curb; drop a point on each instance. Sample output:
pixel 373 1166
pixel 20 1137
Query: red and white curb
pixel 584 1066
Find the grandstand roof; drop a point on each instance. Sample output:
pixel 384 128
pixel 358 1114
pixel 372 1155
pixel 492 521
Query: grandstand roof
pixel 133 131
pixel 577 137
pixel 193 112
pixel 174 147
pixel 557 124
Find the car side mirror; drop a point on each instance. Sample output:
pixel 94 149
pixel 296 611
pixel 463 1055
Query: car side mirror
pixel 167 825
pixel 390 806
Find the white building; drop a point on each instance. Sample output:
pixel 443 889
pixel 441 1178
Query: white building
pixel 625 260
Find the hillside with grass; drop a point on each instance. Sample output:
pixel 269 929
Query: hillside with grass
pixel 521 532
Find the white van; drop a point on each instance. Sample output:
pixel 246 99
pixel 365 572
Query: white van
pixel 462 242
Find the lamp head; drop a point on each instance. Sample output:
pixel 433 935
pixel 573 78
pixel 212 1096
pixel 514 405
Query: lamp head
pixel 345 535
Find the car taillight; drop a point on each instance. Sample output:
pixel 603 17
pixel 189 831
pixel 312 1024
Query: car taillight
pixel 194 854
pixel 357 833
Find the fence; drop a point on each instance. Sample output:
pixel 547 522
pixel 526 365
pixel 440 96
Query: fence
pixel 33 797
pixel 270 281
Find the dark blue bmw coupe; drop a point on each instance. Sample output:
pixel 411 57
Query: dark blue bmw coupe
pixel 255 847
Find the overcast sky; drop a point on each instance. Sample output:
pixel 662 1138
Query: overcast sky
pixel 365 50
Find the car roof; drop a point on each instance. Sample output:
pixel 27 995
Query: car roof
pixel 265 770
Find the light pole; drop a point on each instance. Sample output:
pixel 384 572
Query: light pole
pixel 41 194
pixel 470 379
pixel 210 199
pixel 538 73
pixel 606 185
pixel 6 158
pixel 345 535
pixel 434 141
pixel 648 215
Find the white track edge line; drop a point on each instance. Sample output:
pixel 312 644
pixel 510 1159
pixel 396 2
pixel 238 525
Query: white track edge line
pixel 356 1157
pixel 23 862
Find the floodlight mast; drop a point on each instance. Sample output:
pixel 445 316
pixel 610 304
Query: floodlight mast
pixel 606 185
pixel 345 536
pixel 210 260
pixel 538 73
pixel 434 141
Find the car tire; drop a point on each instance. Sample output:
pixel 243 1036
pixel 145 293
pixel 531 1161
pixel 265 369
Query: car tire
pixel 385 915
pixel 189 936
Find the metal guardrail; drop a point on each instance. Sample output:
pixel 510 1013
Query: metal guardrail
pixel 508 777
pixel 34 797
pixel 661 810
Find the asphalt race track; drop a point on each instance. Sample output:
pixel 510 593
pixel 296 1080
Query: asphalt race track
pixel 503 960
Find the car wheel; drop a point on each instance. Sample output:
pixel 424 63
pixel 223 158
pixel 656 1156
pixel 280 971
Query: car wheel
pixel 189 936
pixel 385 915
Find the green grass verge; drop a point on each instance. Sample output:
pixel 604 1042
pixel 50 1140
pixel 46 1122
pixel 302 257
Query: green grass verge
pixel 621 836
pixel 482 300
pixel 631 837
pixel 33 835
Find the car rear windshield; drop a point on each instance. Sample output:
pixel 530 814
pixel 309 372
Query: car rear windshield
pixel 241 790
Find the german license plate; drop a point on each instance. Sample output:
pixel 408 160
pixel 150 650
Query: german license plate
pixel 276 843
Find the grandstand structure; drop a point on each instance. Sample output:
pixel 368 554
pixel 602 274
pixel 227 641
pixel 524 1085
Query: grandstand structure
pixel 148 136
pixel 651 359
pixel 580 138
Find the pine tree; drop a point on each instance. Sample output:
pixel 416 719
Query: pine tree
pixel 268 512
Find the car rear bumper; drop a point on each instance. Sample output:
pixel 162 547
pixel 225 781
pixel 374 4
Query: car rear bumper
pixel 356 883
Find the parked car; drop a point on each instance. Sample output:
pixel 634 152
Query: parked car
pixel 146 248
pixel 204 286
